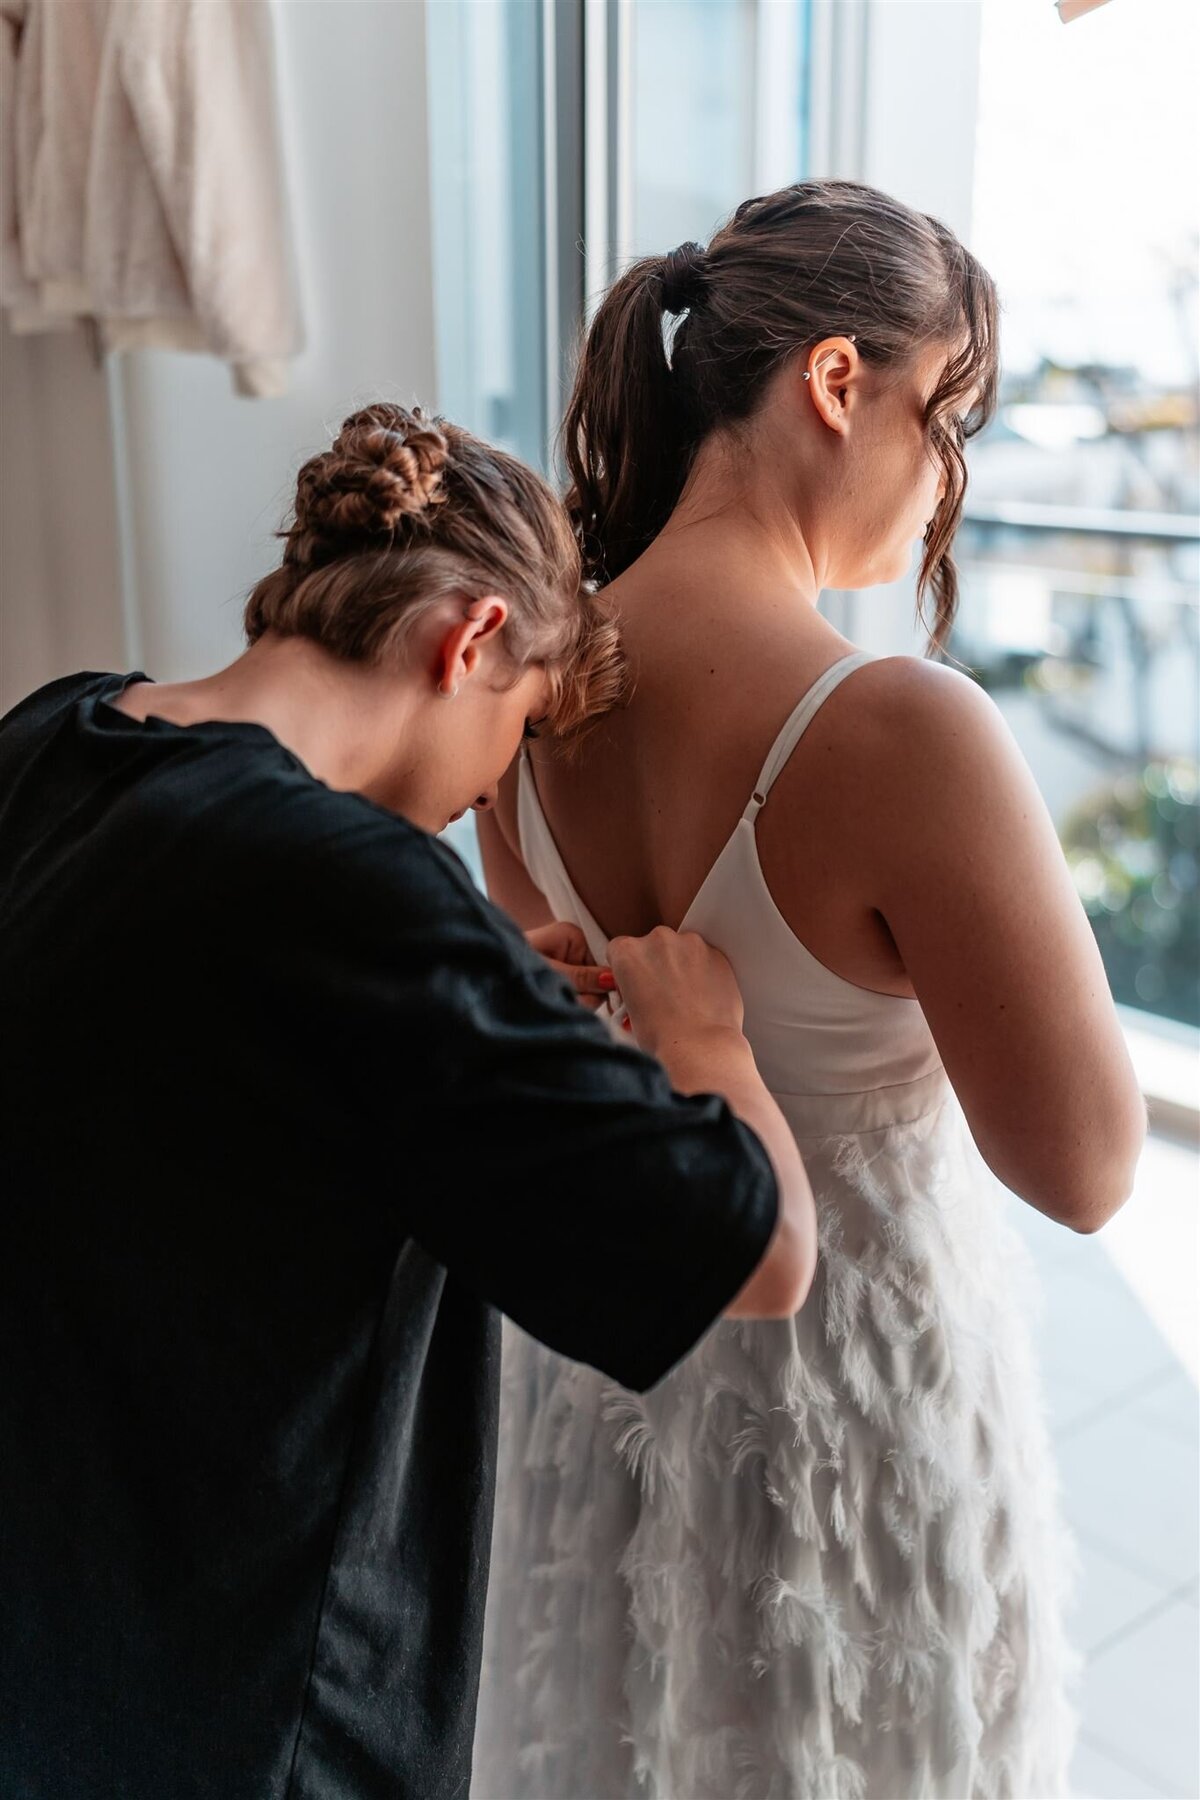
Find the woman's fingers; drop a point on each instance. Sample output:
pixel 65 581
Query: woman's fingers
pixel 673 980
pixel 592 985
pixel 560 942
pixel 575 945
pixel 565 948
pixel 586 978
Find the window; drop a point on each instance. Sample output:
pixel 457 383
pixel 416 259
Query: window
pixel 1079 552
pixel 488 189
pixel 486 160
pixel 729 123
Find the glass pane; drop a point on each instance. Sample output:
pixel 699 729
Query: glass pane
pixel 488 229
pixel 1079 556
pixel 728 123
pixel 485 114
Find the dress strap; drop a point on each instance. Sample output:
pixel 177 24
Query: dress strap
pixel 797 720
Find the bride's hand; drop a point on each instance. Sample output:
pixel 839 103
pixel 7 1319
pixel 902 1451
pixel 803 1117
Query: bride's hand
pixel 566 950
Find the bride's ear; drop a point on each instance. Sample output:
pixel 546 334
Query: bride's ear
pixel 830 374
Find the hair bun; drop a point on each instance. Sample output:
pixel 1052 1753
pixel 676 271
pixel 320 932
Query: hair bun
pixel 385 465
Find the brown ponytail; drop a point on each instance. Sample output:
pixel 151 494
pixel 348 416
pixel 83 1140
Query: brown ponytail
pixel 819 259
pixel 404 510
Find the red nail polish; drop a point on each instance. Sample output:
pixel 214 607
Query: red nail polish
pixel 606 980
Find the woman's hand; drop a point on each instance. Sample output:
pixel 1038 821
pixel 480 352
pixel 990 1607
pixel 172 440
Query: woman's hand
pixel 686 1008
pixel 566 950
pixel 676 988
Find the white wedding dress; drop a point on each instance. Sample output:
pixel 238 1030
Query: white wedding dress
pixel 822 1559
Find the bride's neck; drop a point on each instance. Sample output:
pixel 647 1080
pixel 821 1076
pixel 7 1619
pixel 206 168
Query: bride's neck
pixel 732 537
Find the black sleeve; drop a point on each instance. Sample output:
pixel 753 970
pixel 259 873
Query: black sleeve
pixel 549 1167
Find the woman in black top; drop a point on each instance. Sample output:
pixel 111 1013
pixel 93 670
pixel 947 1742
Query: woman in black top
pixel 288 1110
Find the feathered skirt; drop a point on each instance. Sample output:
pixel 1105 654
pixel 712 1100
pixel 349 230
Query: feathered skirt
pixel 823 1558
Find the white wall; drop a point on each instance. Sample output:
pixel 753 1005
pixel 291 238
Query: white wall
pixel 211 473
pixel 60 582
pixel 204 475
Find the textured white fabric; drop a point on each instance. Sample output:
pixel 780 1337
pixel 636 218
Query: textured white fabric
pixel 823 1559
pixel 141 186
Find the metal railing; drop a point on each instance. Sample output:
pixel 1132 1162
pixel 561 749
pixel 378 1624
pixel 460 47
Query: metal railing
pixel 1084 624
pixel 1085 521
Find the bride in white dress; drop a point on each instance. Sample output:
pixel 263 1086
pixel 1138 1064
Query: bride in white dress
pixel 822 1559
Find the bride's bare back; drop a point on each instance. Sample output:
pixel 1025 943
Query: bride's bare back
pixel 642 814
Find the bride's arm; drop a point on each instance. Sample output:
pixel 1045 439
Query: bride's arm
pixel 509 883
pixel 962 861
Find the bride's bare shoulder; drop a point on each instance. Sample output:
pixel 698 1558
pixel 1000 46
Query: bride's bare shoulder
pixel 902 700
pixel 913 678
pixel 905 749
pixel 927 750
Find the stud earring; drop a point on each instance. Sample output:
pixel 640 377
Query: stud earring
pixel 808 372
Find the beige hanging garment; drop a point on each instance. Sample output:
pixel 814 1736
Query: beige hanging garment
pixel 146 184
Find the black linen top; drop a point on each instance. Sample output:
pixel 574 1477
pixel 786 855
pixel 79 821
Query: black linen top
pixel 288 1109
